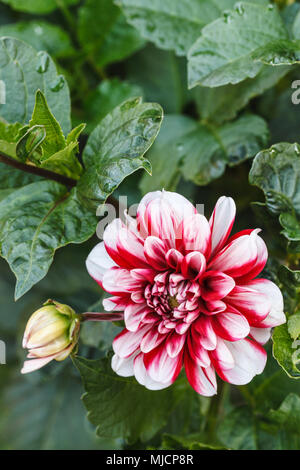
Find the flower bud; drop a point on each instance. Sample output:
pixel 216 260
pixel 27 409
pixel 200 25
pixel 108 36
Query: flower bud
pixel 51 333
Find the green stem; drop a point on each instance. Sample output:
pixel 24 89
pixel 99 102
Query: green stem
pixel 215 412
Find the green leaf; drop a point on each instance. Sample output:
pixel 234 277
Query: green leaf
pixel 286 351
pixel 104 32
pixel 9 134
pixel 296 26
pixel 222 103
pixel 24 71
pixel 42 116
pixel 36 220
pixel 29 146
pixel 288 414
pixel 64 162
pixel 160 22
pixel 200 152
pixel 233 48
pixel 115 149
pixel 119 406
pixel 290 225
pixel 38 7
pixel 277 172
pixel 41 35
pixel 237 430
pixel 294 326
pixel 109 94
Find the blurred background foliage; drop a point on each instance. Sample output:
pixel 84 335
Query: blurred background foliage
pixel 106 61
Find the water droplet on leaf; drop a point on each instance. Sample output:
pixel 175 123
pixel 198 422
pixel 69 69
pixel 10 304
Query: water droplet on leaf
pixel 43 62
pixel 58 83
pixel 239 8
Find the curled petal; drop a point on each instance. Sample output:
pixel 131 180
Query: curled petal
pixel 208 337
pixel 123 366
pixel 174 259
pixel 215 285
pixel 127 342
pixel 221 222
pixel 193 265
pixel 175 343
pixel 261 335
pixel 133 315
pixel 222 357
pixel 152 339
pixel 35 364
pixel 250 302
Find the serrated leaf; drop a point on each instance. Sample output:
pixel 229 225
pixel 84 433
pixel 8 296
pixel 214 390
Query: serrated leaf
pixel 277 172
pixel 237 430
pixel 36 220
pixel 288 414
pixel 116 148
pixel 233 48
pixel 104 32
pixel 201 152
pixel 24 71
pixel 119 406
pixel 291 226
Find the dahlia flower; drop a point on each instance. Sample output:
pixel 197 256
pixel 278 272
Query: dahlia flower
pixel 190 294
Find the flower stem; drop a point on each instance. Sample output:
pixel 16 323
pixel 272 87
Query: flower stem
pixel 95 316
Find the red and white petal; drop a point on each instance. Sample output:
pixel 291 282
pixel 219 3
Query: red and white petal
pixel 155 252
pixel 221 222
pixel 249 360
pixel 215 285
pixel 123 366
pixel 174 259
pixel 203 380
pixel 175 343
pixel 196 350
pixel 261 335
pixel 144 378
pixel 178 207
pixel 222 357
pixel 208 338
pixel 134 314
pixel 262 256
pixel 213 307
pixel 117 303
pixel 127 342
pixel 195 233
pixel 160 366
pixel 152 339
pixel 98 262
pixel 250 302
pixel 276 315
pixel 193 265
pixel 231 326
pixel 238 257
pixel 119 281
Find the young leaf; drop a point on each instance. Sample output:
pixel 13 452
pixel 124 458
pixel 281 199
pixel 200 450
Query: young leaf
pixel 24 71
pixel 233 48
pixel 116 148
pixel 286 351
pixel 119 406
pixel 42 116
